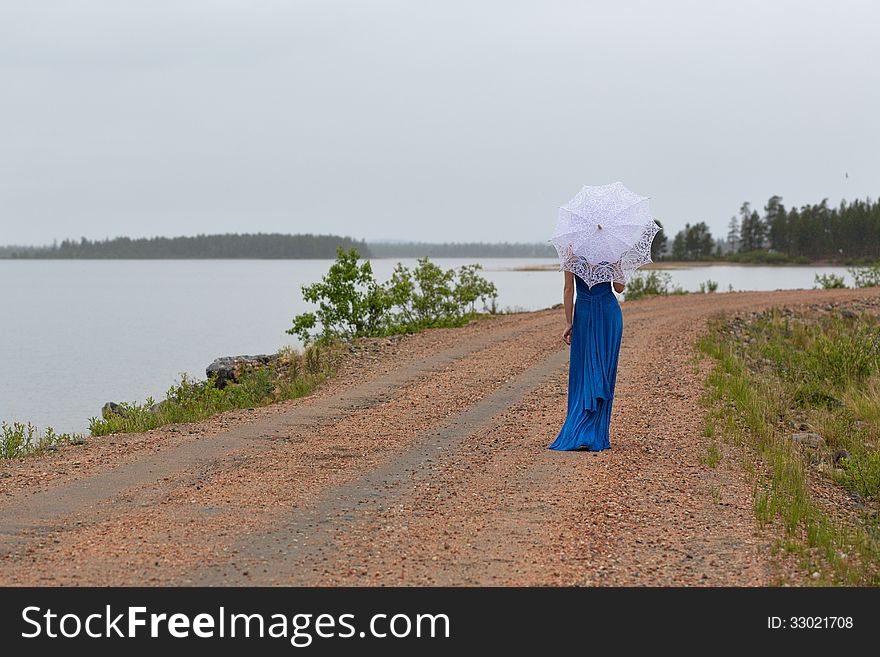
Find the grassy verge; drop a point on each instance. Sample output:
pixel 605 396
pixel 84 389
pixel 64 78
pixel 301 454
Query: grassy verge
pixel 18 440
pixel 777 374
pixel 294 374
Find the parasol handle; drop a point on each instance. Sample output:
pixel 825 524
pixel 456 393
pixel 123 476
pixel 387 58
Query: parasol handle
pixel 600 226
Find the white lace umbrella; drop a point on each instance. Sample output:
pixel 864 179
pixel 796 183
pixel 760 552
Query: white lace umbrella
pixel 604 234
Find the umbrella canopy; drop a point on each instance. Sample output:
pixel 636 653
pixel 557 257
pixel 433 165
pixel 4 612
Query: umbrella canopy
pixel 604 234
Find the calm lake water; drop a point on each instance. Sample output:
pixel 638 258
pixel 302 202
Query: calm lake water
pixel 77 333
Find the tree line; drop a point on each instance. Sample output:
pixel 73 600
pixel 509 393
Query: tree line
pixel 269 245
pixel 258 245
pixel 848 232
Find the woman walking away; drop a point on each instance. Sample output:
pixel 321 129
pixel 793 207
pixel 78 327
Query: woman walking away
pixel 594 329
pixel 602 236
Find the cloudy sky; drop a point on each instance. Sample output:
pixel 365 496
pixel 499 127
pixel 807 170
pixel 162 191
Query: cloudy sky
pixel 433 120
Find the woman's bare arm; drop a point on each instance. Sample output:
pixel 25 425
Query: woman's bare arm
pixel 617 278
pixel 568 303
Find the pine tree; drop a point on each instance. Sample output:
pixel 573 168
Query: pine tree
pixel 733 238
pixel 658 246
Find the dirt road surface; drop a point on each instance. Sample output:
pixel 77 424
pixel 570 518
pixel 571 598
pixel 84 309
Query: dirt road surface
pixel 424 462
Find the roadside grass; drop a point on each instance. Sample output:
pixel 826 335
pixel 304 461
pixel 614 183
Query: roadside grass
pixel 295 374
pixel 19 439
pixel 713 455
pixel 778 373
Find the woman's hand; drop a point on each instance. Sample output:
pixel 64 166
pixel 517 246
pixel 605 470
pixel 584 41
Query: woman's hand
pixel 566 337
pixel 618 287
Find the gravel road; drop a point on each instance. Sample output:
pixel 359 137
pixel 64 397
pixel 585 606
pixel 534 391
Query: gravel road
pixel 423 462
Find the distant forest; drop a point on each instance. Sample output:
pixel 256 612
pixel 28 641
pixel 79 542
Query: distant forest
pixel 271 245
pixel 259 245
pixel 460 250
pixel 849 232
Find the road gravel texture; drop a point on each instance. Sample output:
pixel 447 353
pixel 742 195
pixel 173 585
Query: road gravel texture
pixel 423 462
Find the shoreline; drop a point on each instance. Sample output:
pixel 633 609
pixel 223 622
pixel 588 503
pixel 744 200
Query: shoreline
pixel 694 264
pixel 84 433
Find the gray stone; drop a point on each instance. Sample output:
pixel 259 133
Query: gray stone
pixel 808 439
pixel 846 312
pixel 110 409
pixel 228 368
pixel 839 455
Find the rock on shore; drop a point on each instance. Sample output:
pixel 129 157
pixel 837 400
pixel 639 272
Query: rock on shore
pixel 229 368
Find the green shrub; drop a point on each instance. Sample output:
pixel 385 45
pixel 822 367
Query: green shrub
pixel 867 276
pixel 16 439
pixel 829 281
pixel 19 439
pixel 644 284
pixel 350 301
pixel 709 286
pixel 352 304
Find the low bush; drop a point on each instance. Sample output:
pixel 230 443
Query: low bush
pixel 650 283
pixel 828 281
pixel 866 276
pixel 709 286
pixel 352 303
pixel 19 439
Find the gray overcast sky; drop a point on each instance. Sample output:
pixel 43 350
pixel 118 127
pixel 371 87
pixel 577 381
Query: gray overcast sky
pixel 428 120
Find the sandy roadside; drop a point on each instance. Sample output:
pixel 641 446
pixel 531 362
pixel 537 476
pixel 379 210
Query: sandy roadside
pixel 423 462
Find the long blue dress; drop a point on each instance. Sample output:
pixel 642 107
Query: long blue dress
pixel 597 327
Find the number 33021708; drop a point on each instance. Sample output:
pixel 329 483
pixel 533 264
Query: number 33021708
pixel 809 622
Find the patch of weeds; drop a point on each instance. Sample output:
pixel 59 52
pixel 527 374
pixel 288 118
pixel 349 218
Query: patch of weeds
pixel 775 371
pixel 294 374
pixel 19 439
pixel 713 455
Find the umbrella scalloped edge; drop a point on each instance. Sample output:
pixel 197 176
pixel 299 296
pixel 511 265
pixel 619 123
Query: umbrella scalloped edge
pixel 619 271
